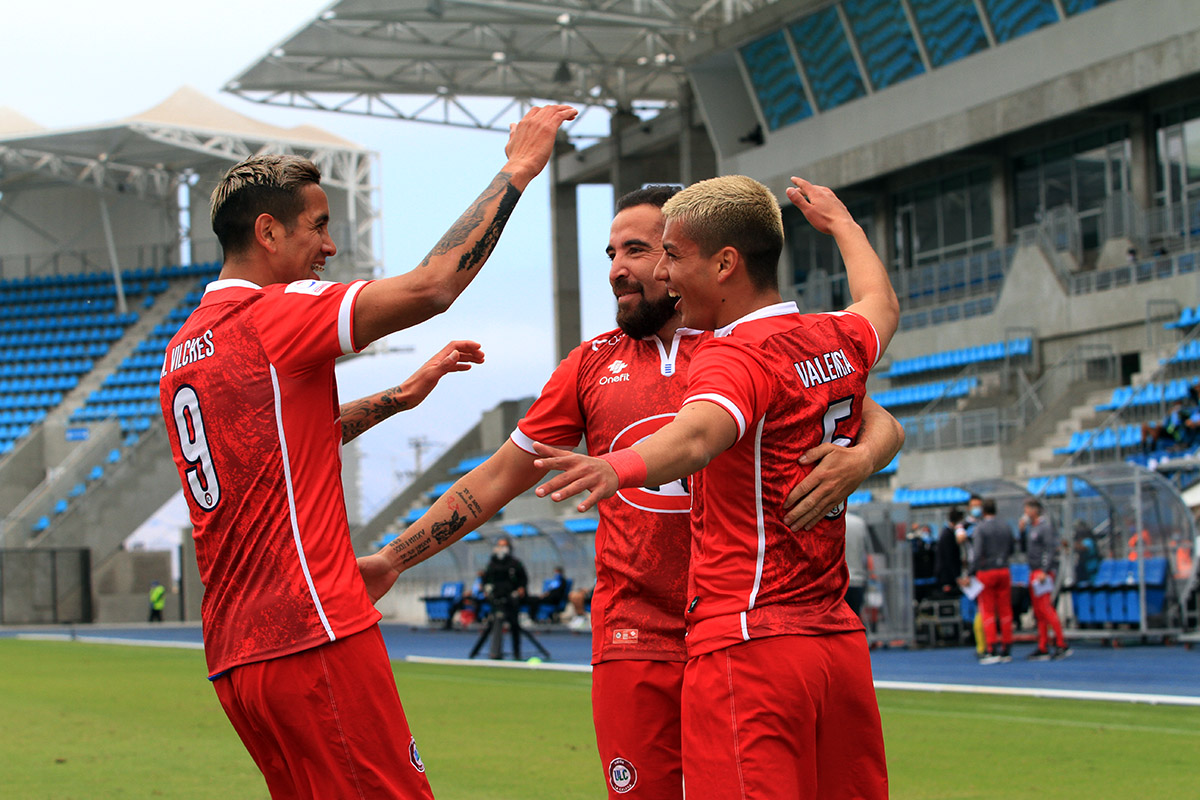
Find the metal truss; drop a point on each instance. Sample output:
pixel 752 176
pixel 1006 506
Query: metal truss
pixel 483 63
pixel 99 172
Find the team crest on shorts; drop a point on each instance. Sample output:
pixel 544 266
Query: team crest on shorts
pixel 414 756
pixel 621 775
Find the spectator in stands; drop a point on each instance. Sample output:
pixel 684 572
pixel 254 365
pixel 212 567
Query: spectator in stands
pixel 580 600
pixel 993 552
pixel 856 561
pixel 1087 554
pixel 967 541
pixel 947 557
pixel 472 599
pixel 158 601
pixel 1043 569
pixel 1170 433
pixel 555 594
pixel 505 583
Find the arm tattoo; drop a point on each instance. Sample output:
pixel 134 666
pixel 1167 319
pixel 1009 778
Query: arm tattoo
pixel 441 531
pixel 470 502
pixel 461 231
pixel 360 415
pixel 410 547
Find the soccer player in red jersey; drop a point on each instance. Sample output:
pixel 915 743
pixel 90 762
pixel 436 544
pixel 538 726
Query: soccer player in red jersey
pixel 613 391
pixel 250 400
pixel 778 699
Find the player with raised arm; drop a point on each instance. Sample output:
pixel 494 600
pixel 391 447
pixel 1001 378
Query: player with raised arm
pixel 613 390
pixel 778 699
pixel 249 395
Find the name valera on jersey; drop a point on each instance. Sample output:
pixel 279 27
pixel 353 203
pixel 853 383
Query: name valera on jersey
pixel 191 350
pixel 823 368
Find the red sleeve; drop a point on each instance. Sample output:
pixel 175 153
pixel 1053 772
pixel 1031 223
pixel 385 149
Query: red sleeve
pixel 732 376
pixel 307 323
pixel 555 418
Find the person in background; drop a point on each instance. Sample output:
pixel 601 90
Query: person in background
pixel 947 557
pixel 556 594
pixel 1087 553
pixel 856 562
pixel 1043 568
pixel 993 552
pixel 158 601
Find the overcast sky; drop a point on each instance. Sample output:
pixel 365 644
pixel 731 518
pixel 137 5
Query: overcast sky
pixel 75 63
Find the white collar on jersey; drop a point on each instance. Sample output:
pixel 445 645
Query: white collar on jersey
pixel 666 359
pixel 230 283
pixel 774 310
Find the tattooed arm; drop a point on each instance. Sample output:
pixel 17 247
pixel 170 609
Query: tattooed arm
pixel 367 412
pixel 391 304
pixel 469 503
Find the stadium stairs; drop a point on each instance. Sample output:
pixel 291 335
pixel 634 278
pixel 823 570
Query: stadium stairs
pixel 95 490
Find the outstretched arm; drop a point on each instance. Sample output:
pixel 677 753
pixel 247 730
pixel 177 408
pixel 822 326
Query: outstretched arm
pixel 471 501
pixel 367 412
pixel 839 470
pixel 870 288
pixel 699 433
pixel 391 304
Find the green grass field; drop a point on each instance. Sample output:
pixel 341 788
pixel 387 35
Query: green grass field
pixel 83 721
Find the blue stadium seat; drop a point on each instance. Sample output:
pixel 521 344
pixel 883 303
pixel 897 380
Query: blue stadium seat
pixel 438 606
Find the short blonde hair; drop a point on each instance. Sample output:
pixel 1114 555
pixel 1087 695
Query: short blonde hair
pixel 733 211
pixel 265 184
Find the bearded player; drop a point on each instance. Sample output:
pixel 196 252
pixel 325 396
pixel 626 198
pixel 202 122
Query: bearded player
pixel 778 700
pixel 614 390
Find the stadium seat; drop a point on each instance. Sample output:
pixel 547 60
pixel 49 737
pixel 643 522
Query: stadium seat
pixel 550 611
pixel 437 607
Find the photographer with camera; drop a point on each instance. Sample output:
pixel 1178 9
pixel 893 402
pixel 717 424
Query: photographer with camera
pixel 505 582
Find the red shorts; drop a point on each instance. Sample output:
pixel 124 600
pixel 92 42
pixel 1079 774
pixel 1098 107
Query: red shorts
pixel 636 709
pixel 785 716
pixel 326 722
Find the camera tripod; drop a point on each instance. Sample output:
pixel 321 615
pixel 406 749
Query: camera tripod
pixel 494 627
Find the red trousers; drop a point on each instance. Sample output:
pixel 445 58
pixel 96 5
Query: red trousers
pixel 636 709
pixel 996 601
pixel 326 723
pixel 784 717
pixel 1044 613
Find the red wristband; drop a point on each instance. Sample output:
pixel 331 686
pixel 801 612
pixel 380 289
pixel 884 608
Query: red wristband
pixel 630 467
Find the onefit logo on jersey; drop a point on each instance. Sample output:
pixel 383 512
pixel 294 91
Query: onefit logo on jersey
pixel 621 775
pixel 414 756
pixel 672 498
pixel 616 368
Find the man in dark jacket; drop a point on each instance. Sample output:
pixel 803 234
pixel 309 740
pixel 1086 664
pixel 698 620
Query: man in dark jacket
pixel 505 582
pixel 947 558
pixel 993 551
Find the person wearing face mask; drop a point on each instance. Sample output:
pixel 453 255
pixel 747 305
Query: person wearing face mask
pixel 505 582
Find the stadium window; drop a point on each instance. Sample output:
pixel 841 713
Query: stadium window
pixel 944 219
pixel 776 81
pixel 951 29
pixel 827 59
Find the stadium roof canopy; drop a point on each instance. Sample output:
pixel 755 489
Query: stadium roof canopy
pixel 187 140
pixel 481 63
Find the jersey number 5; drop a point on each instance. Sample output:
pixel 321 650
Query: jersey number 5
pixel 193 444
pixel 837 412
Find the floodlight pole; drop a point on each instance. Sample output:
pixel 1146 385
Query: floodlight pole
pixel 112 256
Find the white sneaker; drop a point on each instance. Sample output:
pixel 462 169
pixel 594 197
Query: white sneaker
pixel 578 623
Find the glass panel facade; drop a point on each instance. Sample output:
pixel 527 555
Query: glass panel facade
pixel 1073 7
pixel 951 29
pixel 1013 18
pixel 1082 173
pixel 828 62
pixel 944 219
pixel 885 40
pixel 775 80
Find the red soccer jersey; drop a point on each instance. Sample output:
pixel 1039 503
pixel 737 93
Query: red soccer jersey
pixel 617 391
pixel 790 382
pixel 250 400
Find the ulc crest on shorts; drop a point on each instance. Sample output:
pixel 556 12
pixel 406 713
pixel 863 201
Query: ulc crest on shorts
pixel 414 756
pixel 621 775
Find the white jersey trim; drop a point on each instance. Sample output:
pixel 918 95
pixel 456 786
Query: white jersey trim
pixel 346 317
pixel 522 441
pixel 666 360
pixel 759 522
pixel 230 283
pixel 773 310
pixel 292 516
pixel 725 403
pixel 875 333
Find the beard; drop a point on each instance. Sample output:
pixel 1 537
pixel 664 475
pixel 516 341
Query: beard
pixel 646 317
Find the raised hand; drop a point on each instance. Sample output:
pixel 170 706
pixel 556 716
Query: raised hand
pixel 580 473
pixel 820 206
pixel 531 141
